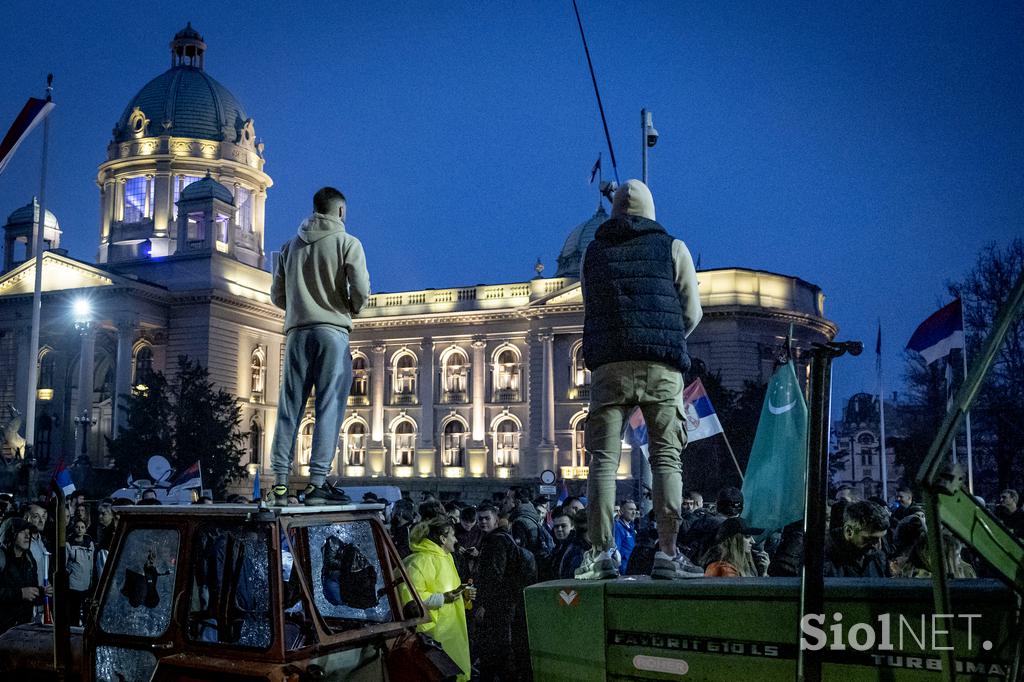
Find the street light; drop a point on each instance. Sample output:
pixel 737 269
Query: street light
pixel 650 136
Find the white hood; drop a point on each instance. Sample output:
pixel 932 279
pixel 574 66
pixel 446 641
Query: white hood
pixel 633 198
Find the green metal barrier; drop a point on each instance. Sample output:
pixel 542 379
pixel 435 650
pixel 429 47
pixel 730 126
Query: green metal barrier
pixel 738 629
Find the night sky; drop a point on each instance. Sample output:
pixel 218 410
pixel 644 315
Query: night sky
pixel 869 148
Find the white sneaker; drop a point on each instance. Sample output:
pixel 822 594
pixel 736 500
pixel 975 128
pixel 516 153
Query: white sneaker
pixel 674 568
pixel 599 565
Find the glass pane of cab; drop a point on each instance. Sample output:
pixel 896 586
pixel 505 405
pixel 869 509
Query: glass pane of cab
pixel 140 599
pixel 346 576
pixel 229 590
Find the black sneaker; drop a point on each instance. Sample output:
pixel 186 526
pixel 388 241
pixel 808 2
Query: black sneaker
pixel 325 494
pixel 279 496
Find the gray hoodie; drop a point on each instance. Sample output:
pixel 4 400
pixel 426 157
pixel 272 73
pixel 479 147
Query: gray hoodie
pixel 321 275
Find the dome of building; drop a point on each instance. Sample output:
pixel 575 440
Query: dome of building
pixel 26 215
pixel 184 101
pixel 205 189
pixel 570 258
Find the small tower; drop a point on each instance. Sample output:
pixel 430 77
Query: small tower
pixel 187 48
pixel 18 245
pixel 206 222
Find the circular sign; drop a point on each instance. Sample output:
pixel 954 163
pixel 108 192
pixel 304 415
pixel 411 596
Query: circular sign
pixel 547 477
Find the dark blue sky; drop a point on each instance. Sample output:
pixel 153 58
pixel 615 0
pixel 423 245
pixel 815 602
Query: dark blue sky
pixel 870 148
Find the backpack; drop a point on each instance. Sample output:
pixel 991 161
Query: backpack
pixel 521 570
pixel 348 577
pixel 541 545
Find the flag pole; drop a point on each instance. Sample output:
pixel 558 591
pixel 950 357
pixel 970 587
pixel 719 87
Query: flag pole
pixel 881 416
pixel 38 238
pixel 970 457
pixel 733 455
pixel 949 401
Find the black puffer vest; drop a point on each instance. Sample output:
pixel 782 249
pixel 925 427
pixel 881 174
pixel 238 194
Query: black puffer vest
pixel 631 305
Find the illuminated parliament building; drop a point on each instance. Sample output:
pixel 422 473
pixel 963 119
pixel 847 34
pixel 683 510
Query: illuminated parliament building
pixel 455 388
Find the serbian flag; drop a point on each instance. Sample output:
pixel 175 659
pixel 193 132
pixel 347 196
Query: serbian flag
pixel 62 479
pixel 635 431
pixel 595 168
pixel 256 494
pixel 701 419
pixel 189 478
pixel 940 333
pixel 34 111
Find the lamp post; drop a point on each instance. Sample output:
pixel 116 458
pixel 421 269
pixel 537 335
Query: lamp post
pixel 85 422
pixel 649 137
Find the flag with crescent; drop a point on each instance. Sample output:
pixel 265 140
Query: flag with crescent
pixel 774 489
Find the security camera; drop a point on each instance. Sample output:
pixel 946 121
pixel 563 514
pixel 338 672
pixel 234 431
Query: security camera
pixel 608 188
pixel 650 133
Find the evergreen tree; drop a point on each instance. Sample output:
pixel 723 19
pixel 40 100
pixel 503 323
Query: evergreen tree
pixel 206 426
pixel 148 431
pixel 185 420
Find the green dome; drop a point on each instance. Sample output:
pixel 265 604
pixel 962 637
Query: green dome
pixel 570 258
pixel 191 102
pixel 27 215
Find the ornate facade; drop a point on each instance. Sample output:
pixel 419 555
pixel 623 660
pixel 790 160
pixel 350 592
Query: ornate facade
pixel 454 388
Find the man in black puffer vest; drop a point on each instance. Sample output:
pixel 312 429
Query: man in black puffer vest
pixel 640 303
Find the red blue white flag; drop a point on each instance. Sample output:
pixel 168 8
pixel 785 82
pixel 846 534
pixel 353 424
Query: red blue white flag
pixel 189 478
pixel 940 333
pixel 34 111
pixel 62 479
pixel 701 418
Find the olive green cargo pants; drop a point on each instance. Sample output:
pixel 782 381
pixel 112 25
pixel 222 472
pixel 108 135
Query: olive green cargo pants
pixel 616 388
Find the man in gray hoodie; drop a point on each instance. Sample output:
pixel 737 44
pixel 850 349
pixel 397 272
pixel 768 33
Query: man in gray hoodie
pixel 321 281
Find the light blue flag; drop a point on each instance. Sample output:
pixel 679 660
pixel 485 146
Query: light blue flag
pixel 256 494
pixel 775 487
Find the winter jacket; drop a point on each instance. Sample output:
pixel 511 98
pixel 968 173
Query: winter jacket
pixel 432 573
pixel 721 569
pixel 788 559
pixel 625 540
pixel 639 288
pixel 573 555
pixel 16 574
pixel 80 563
pixel 321 275
pixel 701 537
pixel 843 560
pixel 496 561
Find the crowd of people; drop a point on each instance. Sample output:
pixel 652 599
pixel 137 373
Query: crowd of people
pixel 470 562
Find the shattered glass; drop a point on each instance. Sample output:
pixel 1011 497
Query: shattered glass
pixel 230 582
pixel 359 534
pixel 114 664
pixel 140 599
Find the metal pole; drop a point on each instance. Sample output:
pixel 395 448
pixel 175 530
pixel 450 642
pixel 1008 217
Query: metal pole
pixel 38 239
pixel 967 417
pixel 881 419
pixel 643 141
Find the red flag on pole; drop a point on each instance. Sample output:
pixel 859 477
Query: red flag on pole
pixel 34 111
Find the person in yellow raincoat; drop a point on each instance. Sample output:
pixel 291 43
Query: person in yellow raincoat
pixel 433 574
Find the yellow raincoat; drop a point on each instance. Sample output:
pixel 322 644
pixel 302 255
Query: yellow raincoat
pixel 432 572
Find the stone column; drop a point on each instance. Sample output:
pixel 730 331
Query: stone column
pixel 426 450
pixel 83 404
pixel 547 450
pixel 123 370
pixel 375 454
pixel 478 463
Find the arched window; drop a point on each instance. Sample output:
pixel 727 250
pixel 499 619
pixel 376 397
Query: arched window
pixel 403 444
pixel 579 448
pixel 257 375
pixel 580 375
pixel 255 444
pixel 360 377
pixel 143 365
pixel 355 445
pixel 44 380
pixel 454 452
pixel 506 444
pixel 455 373
pixel 305 444
pixel 404 380
pixel 506 376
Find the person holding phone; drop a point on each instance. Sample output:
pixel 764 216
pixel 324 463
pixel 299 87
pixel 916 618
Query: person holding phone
pixel 19 582
pixel 433 575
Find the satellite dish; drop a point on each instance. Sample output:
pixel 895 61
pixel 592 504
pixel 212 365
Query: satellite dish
pixel 159 468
